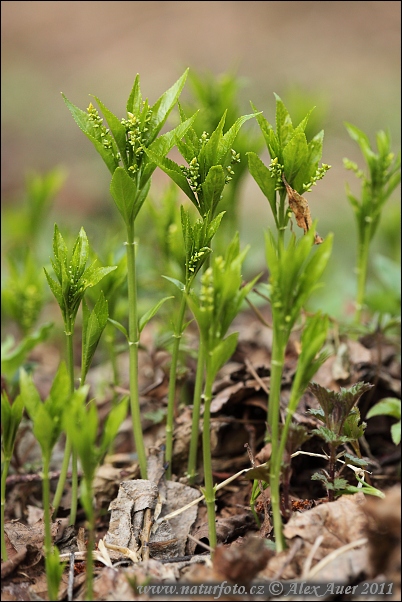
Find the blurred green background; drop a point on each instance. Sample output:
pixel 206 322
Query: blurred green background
pixel 342 57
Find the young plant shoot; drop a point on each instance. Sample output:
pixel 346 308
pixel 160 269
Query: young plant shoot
pixel 214 309
pixel 210 159
pixel 126 147
pixel 47 420
pixel 11 416
pixel 294 269
pixel 384 175
pixel 73 277
pixel 82 426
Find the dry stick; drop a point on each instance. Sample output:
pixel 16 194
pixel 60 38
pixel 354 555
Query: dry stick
pixel 309 559
pixel 70 587
pixel 338 552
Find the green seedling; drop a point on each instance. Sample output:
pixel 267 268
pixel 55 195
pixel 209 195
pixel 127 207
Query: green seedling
pixel 294 269
pixel 214 309
pixel 341 425
pixel 390 406
pixel 47 426
pixel 73 278
pixel 22 295
pixel 382 177
pixel 82 426
pixel 126 147
pixel 11 416
pixel 209 169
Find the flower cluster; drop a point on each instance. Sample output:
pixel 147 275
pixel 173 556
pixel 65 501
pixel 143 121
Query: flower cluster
pixel 319 174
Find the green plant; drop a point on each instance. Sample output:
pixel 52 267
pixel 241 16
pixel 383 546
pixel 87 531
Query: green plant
pixel 13 356
pixel 294 270
pixel 341 424
pixel 213 96
pixel 47 426
pixel 377 186
pixel 214 309
pixel 82 425
pixel 390 406
pixel 73 277
pixel 128 142
pixel 210 158
pixel 11 416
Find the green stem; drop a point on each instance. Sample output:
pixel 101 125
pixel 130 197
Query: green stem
pixel 206 450
pixel 172 386
pixel 74 488
pixel 46 505
pixel 69 330
pixel 199 381
pixel 282 217
pixel 6 465
pixel 133 334
pixel 277 364
pixel 362 265
pixel 90 561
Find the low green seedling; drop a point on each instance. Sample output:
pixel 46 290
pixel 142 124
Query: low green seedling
pixel 214 309
pixel 383 176
pixel 341 424
pixel 390 406
pixel 11 416
pixel 47 420
pixel 13 356
pixel 73 278
pixel 82 425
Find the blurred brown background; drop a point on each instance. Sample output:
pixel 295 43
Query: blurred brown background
pixel 343 57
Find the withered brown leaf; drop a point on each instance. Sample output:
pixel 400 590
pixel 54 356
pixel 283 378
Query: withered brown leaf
pixel 300 208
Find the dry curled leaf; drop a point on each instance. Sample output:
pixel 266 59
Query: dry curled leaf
pixel 300 208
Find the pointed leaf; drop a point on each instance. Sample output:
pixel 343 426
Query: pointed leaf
pixel 150 313
pixel 124 192
pixel 222 352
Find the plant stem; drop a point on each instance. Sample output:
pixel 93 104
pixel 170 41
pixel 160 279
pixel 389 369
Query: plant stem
pixel 133 334
pixel 69 331
pixel 90 562
pixel 172 386
pixel 282 221
pixel 362 264
pixel 199 380
pixel 277 364
pixel 6 465
pixel 206 449
pixel 46 505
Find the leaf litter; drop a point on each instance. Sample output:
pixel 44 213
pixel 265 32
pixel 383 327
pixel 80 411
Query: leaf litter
pixel 352 539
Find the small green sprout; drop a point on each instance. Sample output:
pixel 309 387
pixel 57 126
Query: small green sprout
pixel 214 309
pixel 378 184
pixel 11 416
pixel 341 424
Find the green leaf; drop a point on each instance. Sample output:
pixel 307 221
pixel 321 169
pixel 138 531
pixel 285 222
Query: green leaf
pixel 119 327
pixel 11 416
pixel 11 360
pixel 93 325
pixel 164 105
pixel 135 99
pixel 265 181
pixel 228 139
pixel 222 352
pixel 174 172
pixel 124 192
pixel 260 473
pixel 117 129
pixel 150 313
pixel 176 282
pixel 86 125
pixel 390 406
pixel 213 187
pixel 295 155
pixel 284 126
pixel 116 416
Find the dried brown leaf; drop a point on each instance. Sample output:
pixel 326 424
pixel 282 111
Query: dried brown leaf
pixel 300 208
